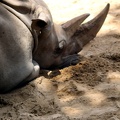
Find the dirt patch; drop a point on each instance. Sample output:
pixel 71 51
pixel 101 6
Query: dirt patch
pixel 89 90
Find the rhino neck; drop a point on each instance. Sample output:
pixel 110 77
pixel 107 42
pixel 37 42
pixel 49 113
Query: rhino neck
pixel 26 15
pixel 26 11
pixel 24 18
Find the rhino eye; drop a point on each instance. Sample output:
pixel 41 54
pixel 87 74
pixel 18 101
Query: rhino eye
pixel 60 49
pixel 62 44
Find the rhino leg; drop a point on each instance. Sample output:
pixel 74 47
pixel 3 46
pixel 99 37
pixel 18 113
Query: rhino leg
pixel 34 74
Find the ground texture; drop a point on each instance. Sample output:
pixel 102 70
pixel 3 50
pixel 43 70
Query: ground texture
pixel 89 90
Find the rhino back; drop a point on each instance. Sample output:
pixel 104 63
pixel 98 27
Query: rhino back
pixel 16 44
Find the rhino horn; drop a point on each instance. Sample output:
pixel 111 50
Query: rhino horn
pixel 88 31
pixel 72 25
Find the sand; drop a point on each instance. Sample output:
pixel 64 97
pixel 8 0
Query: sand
pixel 89 90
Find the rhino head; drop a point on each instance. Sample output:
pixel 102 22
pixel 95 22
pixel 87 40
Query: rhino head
pixel 58 45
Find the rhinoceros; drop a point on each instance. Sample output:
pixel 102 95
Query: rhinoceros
pixel 30 41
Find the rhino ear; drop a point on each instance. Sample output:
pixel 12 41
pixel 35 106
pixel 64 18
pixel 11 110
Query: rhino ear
pixel 72 25
pixel 40 22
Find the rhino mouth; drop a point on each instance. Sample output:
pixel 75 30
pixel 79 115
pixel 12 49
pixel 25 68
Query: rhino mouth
pixel 66 62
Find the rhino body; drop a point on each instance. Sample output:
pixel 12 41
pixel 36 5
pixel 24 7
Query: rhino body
pixel 29 40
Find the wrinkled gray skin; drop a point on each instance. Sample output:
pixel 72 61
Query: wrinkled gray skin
pixel 29 40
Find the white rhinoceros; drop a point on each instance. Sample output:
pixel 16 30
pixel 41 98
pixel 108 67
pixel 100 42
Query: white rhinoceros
pixel 29 40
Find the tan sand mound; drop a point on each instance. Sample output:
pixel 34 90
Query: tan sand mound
pixel 91 89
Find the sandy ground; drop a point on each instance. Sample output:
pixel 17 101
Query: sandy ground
pixel 89 90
